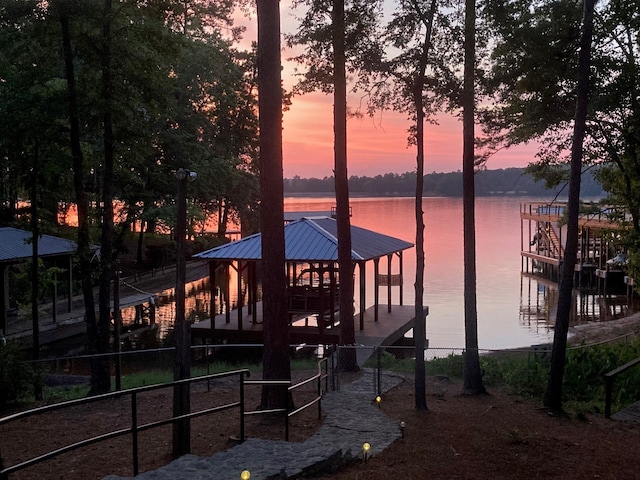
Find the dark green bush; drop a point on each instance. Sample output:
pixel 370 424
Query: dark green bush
pixel 526 374
pixel 17 378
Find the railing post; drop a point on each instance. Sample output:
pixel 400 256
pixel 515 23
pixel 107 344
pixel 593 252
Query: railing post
pixel 134 431
pixel 379 377
pixel 286 426
pixel 608 381
pixel 3 476
pixel 319 394
pixel 242 406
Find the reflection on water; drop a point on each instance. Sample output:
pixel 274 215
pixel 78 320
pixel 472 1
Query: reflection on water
pixel 539 302
pixel 197 308
pixel 514 310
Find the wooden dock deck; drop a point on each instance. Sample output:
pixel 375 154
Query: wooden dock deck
pixel 390 327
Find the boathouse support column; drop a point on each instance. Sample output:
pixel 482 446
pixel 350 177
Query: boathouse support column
pixel 389 259
pixel 70 285
pixel 4 297
pixel 240 296
pixel 321 299
pixel 54 297
pixel 213 265
pixel 253 286
pixel 401 275
pixel 332 294
pixel 376 295
pixel 227 300
pixel 363 292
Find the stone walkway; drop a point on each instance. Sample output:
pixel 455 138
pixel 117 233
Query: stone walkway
pixel 351 419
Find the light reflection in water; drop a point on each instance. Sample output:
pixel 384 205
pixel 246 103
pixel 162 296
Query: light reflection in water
pixel 514 310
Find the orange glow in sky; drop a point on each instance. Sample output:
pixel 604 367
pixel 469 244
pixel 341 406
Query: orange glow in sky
pixel 375 145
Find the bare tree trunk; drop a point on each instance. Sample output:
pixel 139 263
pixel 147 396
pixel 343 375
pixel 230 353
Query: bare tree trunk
pixel 553 394
pixel 348 358
pixel 35 277
pixel 276 364
pixel 101 382
pixel 472 372
pixel 420 328
pixel 84 244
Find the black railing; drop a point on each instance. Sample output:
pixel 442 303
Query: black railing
pixel 608 382
pixel 318 377
pixel 133 430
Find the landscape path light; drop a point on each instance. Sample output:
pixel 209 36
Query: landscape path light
pixel 245 475
pixel 402 425
pixel 366 446
pixel 378 400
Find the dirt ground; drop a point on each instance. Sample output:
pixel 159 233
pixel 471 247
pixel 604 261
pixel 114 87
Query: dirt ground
pixel 492 436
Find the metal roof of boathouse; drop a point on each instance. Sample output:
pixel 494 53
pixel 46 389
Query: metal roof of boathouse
pixel 16 245
pixel 311 239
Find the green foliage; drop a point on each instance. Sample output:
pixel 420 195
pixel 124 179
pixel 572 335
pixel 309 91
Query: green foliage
pixel 182 96
pixel 388 361
pixel 585 369
pixel 526 373
pixel 520 374
pixel 451 366
pixel 20 280
pixel 17 378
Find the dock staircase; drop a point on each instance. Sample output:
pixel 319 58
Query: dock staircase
pixel 556 250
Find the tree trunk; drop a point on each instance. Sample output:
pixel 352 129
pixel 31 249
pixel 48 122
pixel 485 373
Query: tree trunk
pixel 553 394
pixel 472 373
pixel 347 358
pixel 35 277
pixel 276 364
pixel 182 331
pixel 101 382
pixel 84 243
pixel 420 328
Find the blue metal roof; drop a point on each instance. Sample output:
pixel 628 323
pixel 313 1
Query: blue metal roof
pixel 312 239
pixel 15 245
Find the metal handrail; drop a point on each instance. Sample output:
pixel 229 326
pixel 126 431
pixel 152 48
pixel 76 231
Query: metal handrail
pixel 608 381
pixel 290 388
pixel 134 429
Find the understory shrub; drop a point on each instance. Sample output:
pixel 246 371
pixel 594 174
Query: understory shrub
pixel 17 378
pixel 526 373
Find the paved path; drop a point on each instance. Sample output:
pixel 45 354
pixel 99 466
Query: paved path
pixel 351 419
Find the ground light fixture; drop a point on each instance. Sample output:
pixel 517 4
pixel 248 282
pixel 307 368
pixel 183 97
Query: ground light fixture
pixel 245 475
pixel 378 400
pixel 402 425
pixel 366 446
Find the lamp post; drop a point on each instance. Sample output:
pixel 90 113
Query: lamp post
pixel 182 368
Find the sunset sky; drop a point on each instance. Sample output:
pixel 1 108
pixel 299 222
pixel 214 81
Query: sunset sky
pixel 375 145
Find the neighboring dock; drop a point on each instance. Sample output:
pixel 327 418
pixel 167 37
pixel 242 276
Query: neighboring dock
pixel 542 228
pixel 135 291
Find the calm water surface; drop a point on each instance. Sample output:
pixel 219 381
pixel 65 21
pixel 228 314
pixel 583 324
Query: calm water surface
pixel 514 309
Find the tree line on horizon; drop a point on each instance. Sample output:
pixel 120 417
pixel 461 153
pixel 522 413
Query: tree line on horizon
pixel 508 181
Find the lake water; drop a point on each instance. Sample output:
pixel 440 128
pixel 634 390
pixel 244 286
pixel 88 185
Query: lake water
pixel 514 309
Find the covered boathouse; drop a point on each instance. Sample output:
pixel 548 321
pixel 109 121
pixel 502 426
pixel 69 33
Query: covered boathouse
pixel 17 246
pixel 313 286
pixel 600 255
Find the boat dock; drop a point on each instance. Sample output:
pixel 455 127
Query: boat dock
pixel 247 328
pixel 542 228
